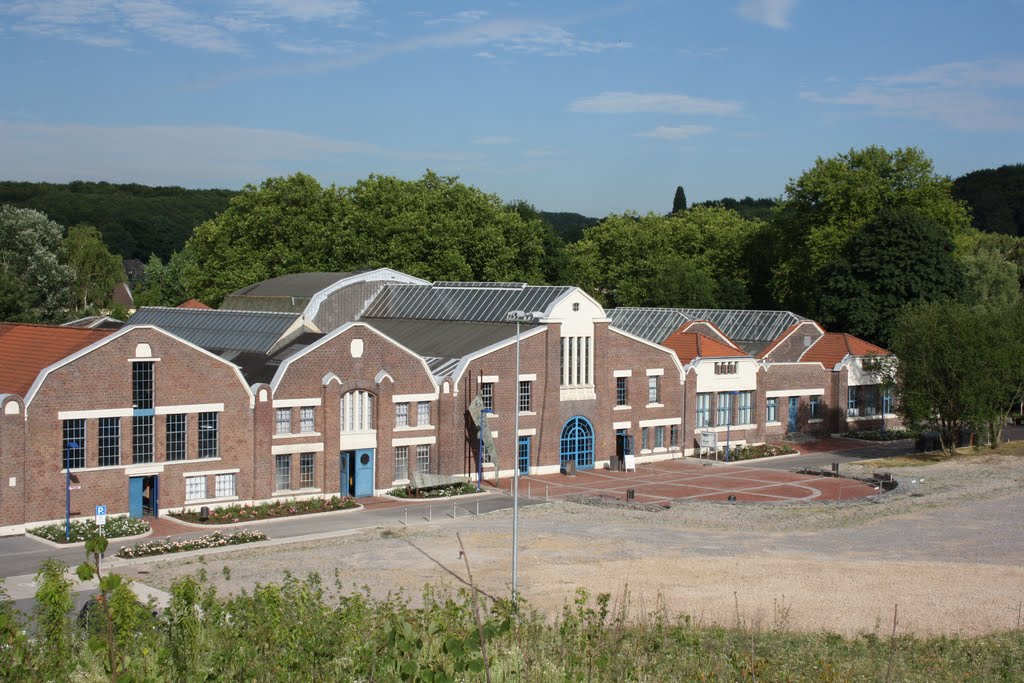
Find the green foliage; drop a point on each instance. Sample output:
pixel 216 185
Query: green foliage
pixel 881 434
pixel 34 277
pixel 996 198
pixel 679 200
pixel 748 207
pixel 567 225
pixel 764 450
pixel 94 269
pixel 993 267
pixel 84 529
pixel 233 514
pixel 446 491
pixel 53 620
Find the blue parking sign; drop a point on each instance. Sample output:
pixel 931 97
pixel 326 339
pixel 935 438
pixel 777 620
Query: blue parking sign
pixel 101 514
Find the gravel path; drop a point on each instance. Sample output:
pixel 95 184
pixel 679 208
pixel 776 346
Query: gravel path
pixel 947 548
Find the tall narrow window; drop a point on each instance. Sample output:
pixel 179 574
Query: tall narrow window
pixel 284 420
pixel 209 435
pixel 110 441
pixel 423 459
pixel 745 409
pixel 645 435
pixel 621 391
pixel 724 408
pixel 74 444
pixel 487 395
pixel 525 396
pixel 887 401
pixel 852 406
pixel 654 389
pixel 869 400
pixel 176 437
pixel 401 414
pixel 659 437
pixel 307 421
pixel 401 463
pixel 673 436
pixel 423 414
pixel 142 385
pixel 772 410
pixel 307 467
pixel 815 408
pixel 357 411
pixel 586 360
pixel 283 472
pixel 142 439
pixel 703 410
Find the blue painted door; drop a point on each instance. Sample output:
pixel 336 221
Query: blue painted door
pixel 135 485
pixel 346 477
pixel 577 443
pixel 794 404
pixel 364 473
pixel 524 455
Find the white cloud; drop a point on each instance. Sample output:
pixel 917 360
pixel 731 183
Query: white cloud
pixel 494 140
pixel 206 155
pixel 485 55
pixel 660 103
pixel 704 52
pixel 774 13
pixel 676 132
pixel 463 17
pixel 341 11
pixel 985 95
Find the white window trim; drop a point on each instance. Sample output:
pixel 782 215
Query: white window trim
pixel 531 377
pixel 622 425
pixel 414 398
pixel 296 402
pixel 414 441
pixel 663 422
pixel 190 408
pixel 622 373
pixel 487 379
pixel 413 428
pixel 625 407
pixel 653 372
pixel 288 448
pixel 655 405
pixel 204 473
pixel 298 435
pixel 785 393
pixel 528 432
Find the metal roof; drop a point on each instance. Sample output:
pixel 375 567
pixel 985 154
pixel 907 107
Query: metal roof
pixel 219 330
pixel 742 326
pixel 297 285
pixel 461 301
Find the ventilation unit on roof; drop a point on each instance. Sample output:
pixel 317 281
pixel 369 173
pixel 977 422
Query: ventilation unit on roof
pixel 807 340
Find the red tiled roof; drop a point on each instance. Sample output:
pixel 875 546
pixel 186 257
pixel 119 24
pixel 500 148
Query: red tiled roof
pixel 27 349
pixel 835 346
pixel 193 303
pixel 690 345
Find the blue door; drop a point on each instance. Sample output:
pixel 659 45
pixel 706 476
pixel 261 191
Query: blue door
pixel 524 455
pixel 794 404
pixel 346 477
pixel 135 485
pixel 577 443
pixel 363 473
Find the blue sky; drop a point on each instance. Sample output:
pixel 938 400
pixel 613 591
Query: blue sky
pixel 587 106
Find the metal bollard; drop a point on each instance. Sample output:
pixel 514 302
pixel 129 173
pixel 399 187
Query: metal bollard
pixel 407 516
pixel 430 513
pixel 453 509
pixel 478 508
pixel 529 489
pixel 546 492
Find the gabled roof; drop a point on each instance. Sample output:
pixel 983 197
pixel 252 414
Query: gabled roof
pixel 219 330
pixel 750 329
pixel 652 324
pixel 298 285
pixel 833 347
pixel 25 350
pixel 96 322
pixel 691 345
pixel 478 302
pixel 728 342
pixel 193 303
pixel 122 295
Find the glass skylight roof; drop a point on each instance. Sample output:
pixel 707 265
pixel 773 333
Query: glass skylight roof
pixel 655 324
pixel 461 301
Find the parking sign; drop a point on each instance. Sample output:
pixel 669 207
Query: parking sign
pixel 101 515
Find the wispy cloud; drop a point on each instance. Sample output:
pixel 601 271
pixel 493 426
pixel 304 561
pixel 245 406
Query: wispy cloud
pixel 483 54
pixel 309 48
pixel 463 17
pixel 494 140
pixel 339 11
pixel 660 103
pixel 676 132
pixel 774 13
pixel 986 95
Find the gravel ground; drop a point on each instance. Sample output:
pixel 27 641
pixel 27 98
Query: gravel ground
pixel 946 547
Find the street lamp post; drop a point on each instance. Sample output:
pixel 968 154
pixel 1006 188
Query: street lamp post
pixel 728 425
pixel 67 489
pixel 518 317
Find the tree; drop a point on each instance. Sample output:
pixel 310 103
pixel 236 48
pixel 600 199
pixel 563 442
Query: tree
pixel 679 201
pixel 992 266
pixel 94 269
pixel 996 198
pixel 33 272
pixel 899 258
pixel 161 284
pixel 827 206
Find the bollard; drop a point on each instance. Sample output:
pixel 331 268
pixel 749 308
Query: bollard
pixel 529 489
pixel 453 509
pixel 430 513
pixel 732 499
pixel 835 468
pixel 478 508
pixel 546 492
pixel 407 516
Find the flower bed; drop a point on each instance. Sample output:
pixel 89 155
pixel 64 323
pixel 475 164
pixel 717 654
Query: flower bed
pixel 84 529
pixel 233 514
pixel 163 546
pixel 879 435
pixel 447 491
pixel 765 450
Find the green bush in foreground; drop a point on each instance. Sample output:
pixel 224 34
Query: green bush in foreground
pixel 84 529
pixel 293 631
pixel 881 435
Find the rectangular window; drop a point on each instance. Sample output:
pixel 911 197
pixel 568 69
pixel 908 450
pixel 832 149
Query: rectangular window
pixel 401 463
pixel 209 435
pixel 645 437
pixel 142 385
pixel 422 414
pixel 74 444
pixel 869 400
pixel 195 488
pixel 487 395
pixel 176 425
pixel 525 396
pixel 307 468
pixel 703 410
pixel 110 441
pixel 888 404
pixel 745 409
pixel 357 411
pixel 282 472
pixel 224 485
pixel 401 414
pixel 307 420
pixel 654 389
pixel 284 420
pixel 724 409
pixel 771 413
pixel 142 439
pixel 621 391
pixel 814 407
pixel 586 360
pixel 575 362
pixel 852 407
pixel 423 459
pixel 659 437
pixel 673 436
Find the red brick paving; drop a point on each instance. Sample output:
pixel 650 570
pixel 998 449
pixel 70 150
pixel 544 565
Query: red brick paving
pixel 671 480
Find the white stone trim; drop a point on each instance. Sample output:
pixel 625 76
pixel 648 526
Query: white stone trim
pixel 142 360
pixel 662 422
pixel 414 398
pixel 142 470
pixel 622 408
pixel 655 405
pixel 287 448
pixel 234 470
pixel 528 377
pixel 622 425
pixel 416 428
pixel 190 408
pixel 296 435
pixel 297 402
pixel 785 393
pixel 414 441
pixel 655 372
pixel 532 431
pixel 622 373
pixel 89 414
pixel 351 441
pixel 487 379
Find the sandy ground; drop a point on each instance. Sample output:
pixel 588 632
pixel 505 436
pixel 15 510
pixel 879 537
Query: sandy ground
pixel 947 549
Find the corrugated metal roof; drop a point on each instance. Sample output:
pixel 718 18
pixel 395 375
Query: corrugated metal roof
pixel 219 330
pixel 444 339
pixel 652 324
pixel 746 327
pixel 298 285
pixel 461 301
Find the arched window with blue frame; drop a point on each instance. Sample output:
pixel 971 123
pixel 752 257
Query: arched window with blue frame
pixel 577 443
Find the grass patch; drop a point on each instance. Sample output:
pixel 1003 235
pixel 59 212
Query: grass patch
pixel 84 529
pixel 164 546
pixel 966 454
pixel 233 514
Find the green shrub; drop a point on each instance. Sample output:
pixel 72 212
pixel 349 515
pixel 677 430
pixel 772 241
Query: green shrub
pixel 84 529
pixel 880 435
pixel 163 546
pixel 765 450
pixel 447 491
pixel 233 514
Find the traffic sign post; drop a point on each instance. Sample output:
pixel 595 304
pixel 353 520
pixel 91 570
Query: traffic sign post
pixel 101 515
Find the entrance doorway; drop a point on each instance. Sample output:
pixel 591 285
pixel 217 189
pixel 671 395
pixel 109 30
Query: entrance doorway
pixel 357 473
pixel 144 496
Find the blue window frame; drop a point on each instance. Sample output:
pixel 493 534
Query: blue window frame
pixel 74 443
pixel 772 410
pixel 815 407
pixel 746 415
pixel 577 443
pixel 703 410
pixel 887 401
pixel 724 408
pixel 524 455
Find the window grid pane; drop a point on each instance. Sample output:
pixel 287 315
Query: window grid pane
pixel 224 485
pixel 621 394
pixel 307 467
pixel 772 411
pixel 746 402
pixel 284 420
pixel 815 407
pixel 401 414
pixel 142 439
pixel 487 395
pixel 307 420
pixel 673 436
pixel 703 410
pixel 195 488
pixel 422 413
pixel 525 396
pixel 652 389
pixel 423 459
pixel 724 409
pixel 401 463
pixel 74 444
pixel 659 437
pixel 176 437
pixel 851 402
pixel 283 472
pixel 208 435
pixel 110 441
pixel 644 438
pixel 142 385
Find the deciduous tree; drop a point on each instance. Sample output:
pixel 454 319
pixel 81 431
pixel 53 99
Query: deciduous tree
pixel 95 271
pixel 33 267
